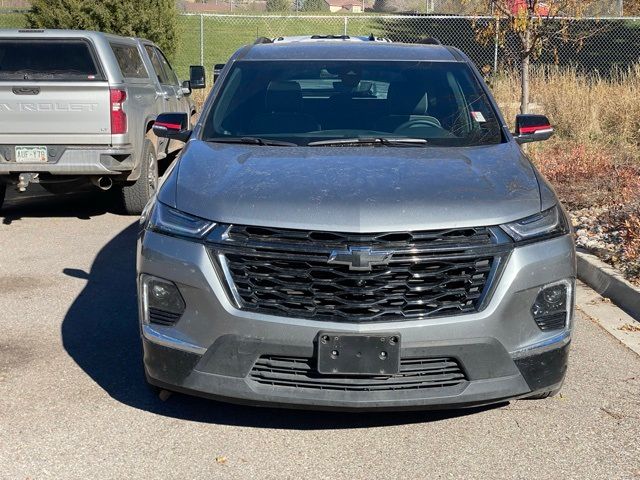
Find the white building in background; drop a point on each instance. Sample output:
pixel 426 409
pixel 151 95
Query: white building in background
pixel 351 6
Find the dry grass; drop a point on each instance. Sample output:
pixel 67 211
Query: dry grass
pixel 582 107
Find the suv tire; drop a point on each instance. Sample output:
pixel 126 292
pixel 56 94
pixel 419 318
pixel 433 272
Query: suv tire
pixel 543 395
pixel 136 195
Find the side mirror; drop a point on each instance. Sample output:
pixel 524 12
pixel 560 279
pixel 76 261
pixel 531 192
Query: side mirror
pixel 197 77
pixel 217 70
pixel 186 87
pixel 532 128
pixel 174 126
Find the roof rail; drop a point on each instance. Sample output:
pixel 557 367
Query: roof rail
pixel 323 37
pixel 330 37
pixel 373 38
pixel 260 40
pixel 430 41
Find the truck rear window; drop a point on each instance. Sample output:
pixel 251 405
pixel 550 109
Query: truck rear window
pixel 62 60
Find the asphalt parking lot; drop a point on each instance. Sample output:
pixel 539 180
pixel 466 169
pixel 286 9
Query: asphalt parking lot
pixel 73 402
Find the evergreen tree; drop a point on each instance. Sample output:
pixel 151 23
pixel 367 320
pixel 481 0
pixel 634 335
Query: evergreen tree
pixel 315 6
pixel 155 20
pixel 278 5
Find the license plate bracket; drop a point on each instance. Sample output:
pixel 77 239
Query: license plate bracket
pixel 31 154
pixel 358 354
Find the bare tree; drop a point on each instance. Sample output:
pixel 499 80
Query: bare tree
pixel 537 26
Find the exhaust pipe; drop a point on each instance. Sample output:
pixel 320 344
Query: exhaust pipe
pixel 103 183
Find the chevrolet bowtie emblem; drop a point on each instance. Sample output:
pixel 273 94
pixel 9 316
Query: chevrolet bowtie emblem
pixel 360 258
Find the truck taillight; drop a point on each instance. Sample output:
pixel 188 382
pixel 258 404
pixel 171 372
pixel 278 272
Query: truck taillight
pixel 118 117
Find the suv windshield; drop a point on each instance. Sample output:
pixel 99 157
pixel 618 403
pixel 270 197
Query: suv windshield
pixel 307 102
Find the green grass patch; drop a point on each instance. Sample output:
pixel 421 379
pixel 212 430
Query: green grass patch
pixel 224 35
pixel 12 20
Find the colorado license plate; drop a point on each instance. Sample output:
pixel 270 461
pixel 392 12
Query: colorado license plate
pixel 31 154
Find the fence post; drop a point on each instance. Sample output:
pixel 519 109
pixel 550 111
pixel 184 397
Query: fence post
pixel 495 47
pixel 201 39
pixel 345 25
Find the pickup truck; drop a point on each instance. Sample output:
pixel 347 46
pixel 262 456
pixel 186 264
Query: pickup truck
pixel 77 107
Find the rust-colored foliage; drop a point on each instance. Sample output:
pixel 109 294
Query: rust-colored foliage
pixel 588 176
pixel 591 176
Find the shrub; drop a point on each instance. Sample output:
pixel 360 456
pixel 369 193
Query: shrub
pixel 588 175
pixel 602 183
pixel 155 20
pixel 315 6
pixel 278 5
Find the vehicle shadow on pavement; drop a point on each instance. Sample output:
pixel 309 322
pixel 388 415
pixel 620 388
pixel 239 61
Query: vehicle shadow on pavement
pixel 100 332
pixel 36 203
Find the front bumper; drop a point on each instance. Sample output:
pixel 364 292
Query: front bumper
pixel 73 160
pixel 213 348
pixel 493 377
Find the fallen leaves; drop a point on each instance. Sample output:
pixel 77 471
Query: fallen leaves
pixel 627 327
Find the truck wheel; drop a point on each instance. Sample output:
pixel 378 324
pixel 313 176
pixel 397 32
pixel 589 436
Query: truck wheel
pixel 136 195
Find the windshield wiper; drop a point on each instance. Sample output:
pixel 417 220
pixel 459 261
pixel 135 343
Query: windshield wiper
pixel 387 142
pixel 252 141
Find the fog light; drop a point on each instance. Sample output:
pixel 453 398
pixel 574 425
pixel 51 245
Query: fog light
pixel 162 301
pixel 551 310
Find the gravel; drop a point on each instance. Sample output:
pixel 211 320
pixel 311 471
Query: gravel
pixel 73 403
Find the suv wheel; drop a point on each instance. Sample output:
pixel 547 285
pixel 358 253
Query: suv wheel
pixel 136 195
pixel 543 395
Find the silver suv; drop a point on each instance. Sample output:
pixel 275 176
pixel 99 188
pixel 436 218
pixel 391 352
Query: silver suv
pixel 351 225
pixel 78 107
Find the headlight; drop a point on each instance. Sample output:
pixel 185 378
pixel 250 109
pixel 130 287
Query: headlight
pixel 170 221
pixel 549 223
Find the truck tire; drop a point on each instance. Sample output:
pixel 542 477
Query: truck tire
pixel 3 191
pixel 136 195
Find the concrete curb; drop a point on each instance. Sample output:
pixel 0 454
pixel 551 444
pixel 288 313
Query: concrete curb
pixel 609 283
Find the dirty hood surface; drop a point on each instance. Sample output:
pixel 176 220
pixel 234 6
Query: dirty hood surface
pixel 353 189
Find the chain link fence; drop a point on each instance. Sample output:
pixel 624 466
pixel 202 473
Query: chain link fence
pixel 608 44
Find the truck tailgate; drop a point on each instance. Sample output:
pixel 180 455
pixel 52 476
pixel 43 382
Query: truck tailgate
pixel 55 112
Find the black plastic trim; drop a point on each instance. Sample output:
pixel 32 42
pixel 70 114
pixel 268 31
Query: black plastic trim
pixel 544 370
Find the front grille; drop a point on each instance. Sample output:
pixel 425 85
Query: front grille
pixel 289 273
pixel 415 374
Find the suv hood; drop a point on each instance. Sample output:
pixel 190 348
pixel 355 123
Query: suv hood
pixel 354 189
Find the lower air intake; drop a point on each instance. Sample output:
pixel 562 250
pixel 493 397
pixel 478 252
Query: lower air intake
pixel 556 321
pixel 301 373
pixel 162 317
